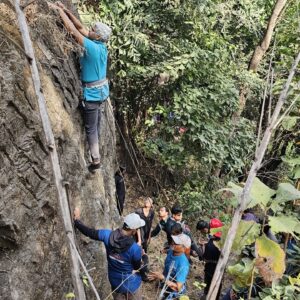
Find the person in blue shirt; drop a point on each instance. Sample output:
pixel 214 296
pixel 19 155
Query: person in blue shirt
pixel 176 266
pixel 93 65
pixel 123 254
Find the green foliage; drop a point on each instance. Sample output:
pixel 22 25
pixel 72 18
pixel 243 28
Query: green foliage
pixel 199 285
pixel 70 296
pixel 287 224
pixel 262 195
pixel 289 122
pixel 286 289
pixel 242 272
pixel 286 192
pixel 246 234
pixel 85 281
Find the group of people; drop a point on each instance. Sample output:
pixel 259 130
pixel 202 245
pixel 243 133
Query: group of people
pixel 127 247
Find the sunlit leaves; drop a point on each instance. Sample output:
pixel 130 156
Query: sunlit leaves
pixel 246 234
pixel 287 224
pixel 270 260
pixel 286 192
pixel 260 194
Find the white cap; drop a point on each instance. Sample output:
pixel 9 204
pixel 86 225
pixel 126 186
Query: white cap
pixel 182 239
pixel 134 221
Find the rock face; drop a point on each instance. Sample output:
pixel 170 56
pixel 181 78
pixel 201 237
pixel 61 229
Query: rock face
pixel 34 257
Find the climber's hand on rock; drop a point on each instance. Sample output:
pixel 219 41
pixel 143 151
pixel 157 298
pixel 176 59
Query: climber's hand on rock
pixel 76 214
pixel 59 4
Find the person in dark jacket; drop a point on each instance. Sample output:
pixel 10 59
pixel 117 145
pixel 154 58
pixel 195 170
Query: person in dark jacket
pixel 120 188
pixel 211 256
pixel 176 217
pixel 163 215
pixel 211 252
pixel 123 255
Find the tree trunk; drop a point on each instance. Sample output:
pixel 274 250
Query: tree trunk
pixel 258 54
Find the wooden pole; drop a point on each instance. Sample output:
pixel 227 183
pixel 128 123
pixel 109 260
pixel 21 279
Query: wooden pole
pixel 85 270
pixel 244 199
pixel 61 191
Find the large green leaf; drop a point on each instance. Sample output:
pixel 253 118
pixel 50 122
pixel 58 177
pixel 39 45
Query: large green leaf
pixel 287 224
pixel 270 259
pixel 286 192
pixel 246 234
pixel 260 194
pixel 242 272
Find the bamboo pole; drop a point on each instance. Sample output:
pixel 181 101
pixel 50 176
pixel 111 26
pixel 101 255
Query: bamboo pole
pixel 243 201
pixel 61 191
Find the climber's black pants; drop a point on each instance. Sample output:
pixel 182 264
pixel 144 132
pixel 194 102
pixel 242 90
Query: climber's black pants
pixel 92 117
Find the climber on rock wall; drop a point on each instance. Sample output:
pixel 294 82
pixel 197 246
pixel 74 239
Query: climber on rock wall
pixel 124 255
pixel 93 75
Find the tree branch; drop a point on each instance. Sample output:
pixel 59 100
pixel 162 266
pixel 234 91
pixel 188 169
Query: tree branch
pixel 262 48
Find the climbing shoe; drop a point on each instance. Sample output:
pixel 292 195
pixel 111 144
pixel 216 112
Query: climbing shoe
pixel 93 167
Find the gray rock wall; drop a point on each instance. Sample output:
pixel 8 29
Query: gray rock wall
pixel 34 258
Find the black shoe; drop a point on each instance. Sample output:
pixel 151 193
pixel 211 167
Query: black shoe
pixel 93 167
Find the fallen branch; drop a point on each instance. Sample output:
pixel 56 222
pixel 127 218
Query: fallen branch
pixel 244 199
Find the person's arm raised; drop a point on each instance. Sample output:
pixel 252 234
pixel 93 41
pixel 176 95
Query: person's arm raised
pixel 68 23
pixel 74 20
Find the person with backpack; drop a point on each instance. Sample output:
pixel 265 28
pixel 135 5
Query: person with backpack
pixel 93 65
pixel 123 254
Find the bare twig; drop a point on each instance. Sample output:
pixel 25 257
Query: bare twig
pixel 251 285
pixel 15 43
pixel 271 96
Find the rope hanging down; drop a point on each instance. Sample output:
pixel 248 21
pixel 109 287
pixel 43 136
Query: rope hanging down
pixel 61 191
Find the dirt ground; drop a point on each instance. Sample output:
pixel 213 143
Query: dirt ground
pixel 151 290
